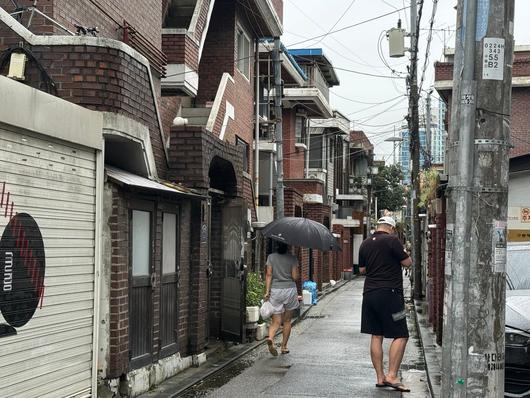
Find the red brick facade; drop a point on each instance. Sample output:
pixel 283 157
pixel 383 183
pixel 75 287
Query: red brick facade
pixel 181 49
pixel 520 119
pixel 294 157
pixel 102 79
pixel 120 277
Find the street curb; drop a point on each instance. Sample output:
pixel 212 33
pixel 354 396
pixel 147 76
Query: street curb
pixel 254 345
pixel 431 369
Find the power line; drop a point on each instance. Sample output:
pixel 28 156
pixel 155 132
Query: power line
pixel 336 23
pixel 363 62
pixel 368 74
pixel 348 27
pixel 365 103
pixel 429 40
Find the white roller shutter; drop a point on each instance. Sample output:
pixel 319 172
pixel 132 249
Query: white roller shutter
pixel 55 184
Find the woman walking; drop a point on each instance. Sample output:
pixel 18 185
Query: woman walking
pixel 281 291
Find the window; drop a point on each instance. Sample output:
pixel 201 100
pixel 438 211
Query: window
pixel 169 243
pixel 243 53
pixel 140 242
pixel 300 130
pixel 169 284
pixel 240 142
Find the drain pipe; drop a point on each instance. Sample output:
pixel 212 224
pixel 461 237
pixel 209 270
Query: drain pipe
pixel 256 129
pixel 308 140
pixel 271 178
pixel 257 97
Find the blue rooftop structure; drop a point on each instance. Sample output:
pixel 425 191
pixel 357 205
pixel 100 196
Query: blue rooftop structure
pixel 307 55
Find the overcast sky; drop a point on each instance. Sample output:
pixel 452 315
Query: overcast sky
pixel 375 104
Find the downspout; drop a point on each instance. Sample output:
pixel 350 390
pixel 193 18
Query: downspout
pixel 256 154
pixel 256 129
pixel 271 178
pixel 100 167
pixel 308 139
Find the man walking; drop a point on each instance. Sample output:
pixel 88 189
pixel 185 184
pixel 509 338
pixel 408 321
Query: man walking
pixel 381 257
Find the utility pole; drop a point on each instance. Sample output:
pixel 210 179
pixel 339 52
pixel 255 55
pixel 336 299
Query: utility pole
pixel 278 135
pixel 414 144
pixel 475 280
pixel 428 133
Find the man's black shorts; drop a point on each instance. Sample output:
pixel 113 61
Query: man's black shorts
pixel 383 313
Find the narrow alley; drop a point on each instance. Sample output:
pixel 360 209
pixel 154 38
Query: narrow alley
pixel 328 358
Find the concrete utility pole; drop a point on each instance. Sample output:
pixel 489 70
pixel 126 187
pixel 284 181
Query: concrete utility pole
pixel 278 135
pixel 428 132
pixel 414 144
pixel 473 333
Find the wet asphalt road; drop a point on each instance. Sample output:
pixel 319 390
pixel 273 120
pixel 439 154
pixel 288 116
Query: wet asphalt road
pixel 329 358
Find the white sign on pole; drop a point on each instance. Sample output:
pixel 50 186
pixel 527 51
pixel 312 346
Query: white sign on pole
pixel 493 59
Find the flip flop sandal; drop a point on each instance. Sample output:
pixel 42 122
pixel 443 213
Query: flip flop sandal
pixel 285 352
pixel 397 386
pixel 272 349
pixel 378 385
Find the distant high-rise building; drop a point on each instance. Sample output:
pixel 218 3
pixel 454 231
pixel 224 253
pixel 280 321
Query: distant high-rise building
pixel 437 152
pixel 404 158
pixel 438 135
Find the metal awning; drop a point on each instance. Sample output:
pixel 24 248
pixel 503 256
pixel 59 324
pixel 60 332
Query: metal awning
pixel 133 180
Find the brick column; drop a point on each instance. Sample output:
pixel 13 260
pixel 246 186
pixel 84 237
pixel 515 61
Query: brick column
pixel 198 277
pixel 119 286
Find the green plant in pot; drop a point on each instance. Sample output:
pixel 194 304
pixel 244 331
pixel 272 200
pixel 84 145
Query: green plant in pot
pixel 255 292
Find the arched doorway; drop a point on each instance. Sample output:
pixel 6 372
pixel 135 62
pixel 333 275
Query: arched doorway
pixel 226 298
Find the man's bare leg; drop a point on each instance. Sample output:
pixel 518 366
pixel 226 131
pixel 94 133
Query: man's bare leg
pixel 395 355
pixel 376 353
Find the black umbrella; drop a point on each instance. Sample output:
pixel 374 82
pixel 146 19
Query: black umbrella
pixel 299 231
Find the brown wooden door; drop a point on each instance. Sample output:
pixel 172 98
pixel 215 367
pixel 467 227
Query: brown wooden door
pixel 169 284
pixel 140 292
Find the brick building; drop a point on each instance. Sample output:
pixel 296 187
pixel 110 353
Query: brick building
pixel 519 176
pixel 173 84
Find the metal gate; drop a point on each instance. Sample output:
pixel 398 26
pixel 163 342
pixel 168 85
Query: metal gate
pixel 234 289
pixel 47 224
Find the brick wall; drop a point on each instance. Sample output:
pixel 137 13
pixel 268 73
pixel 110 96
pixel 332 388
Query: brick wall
pixel 145 16
pixel 294 158
pixel 191 153
pixel 520 121
pixel 219 52
pixel 307 186
pixel 216 279
pixel 292 200
pixel 184 289
pixel 317 212
pixel 119 293
pixel 39 24
pixel 102 79
pixel 520 118
pixel 181 49
pixel 198 308
pixel 119 283
pixel 169 107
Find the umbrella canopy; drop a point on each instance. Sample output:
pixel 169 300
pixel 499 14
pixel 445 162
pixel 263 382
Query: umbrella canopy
pixel 299 231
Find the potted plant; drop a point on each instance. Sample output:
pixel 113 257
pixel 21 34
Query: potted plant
pixel 255 291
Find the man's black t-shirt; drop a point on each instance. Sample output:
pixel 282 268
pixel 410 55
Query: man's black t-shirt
pixel 382 254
